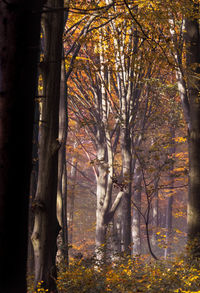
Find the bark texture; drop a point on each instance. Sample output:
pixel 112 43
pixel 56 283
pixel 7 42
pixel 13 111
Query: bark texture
pixel 136 240
pixel 193 63
pixel 33 188
pixel 46 226
pixel 19 48
pixel 155 210
pixel 62 171
pixel 72 187
pixel 126 200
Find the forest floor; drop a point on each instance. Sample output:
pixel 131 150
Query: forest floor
pixel 128 275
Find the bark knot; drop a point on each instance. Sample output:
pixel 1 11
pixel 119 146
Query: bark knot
pixel 38 205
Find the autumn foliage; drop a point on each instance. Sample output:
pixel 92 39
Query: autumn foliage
pixel 129 275
pixel 127 160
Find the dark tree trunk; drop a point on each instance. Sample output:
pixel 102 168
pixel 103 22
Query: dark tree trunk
pixel 62 164
pixel 46 226
pixel 19 48
pixel 193 66
pixel 33 187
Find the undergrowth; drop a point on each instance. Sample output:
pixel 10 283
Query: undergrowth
pixel 128 275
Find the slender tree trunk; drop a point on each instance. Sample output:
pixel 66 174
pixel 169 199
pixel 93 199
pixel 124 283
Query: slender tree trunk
pixel 136 237
pixel 64 89
pixel 46 226
pixel 19 50
pixel 125 205
pixel 124 85
pixel 193 66
pixel 101 191
pixel 65 251
pixel 168 226
pixel 33 187
pixel 155 210
pixel 62 176
pixel 62 141
pixel 169 216
pixel 73 175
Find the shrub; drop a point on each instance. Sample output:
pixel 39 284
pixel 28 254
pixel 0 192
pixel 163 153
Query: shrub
pixel 131 275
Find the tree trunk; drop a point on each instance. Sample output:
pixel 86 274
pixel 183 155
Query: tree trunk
pixel 46 226
pixel 62 176
pixel 19 50
pixel 125 205
pixel 155 207
pixel 33 187
pixel 168 226
pixel 169 216
pixel 193 66
pixel 136 240
pixel 101 191
pixel 65 241
pixel 116 241
pixel 73 175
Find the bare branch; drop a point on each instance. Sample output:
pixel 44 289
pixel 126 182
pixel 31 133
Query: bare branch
pixel 81 172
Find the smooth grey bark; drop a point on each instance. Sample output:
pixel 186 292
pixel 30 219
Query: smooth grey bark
pixel 46 226
pixel 64 129
pixel 127 98
pixel 102 135
pixel 106 207
pixel 99 112
pixel 116 241
pixel 65 249
pixel 62 171
pixel 105 157
pixel 181 76
pixel 125 206
pixel 71 197
pixel 19 52
pixel 155 211
pixel 137 189
pixel 101 191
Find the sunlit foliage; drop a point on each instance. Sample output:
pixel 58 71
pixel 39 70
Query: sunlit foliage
pixel 130 275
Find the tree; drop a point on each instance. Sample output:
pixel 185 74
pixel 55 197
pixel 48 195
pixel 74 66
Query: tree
pixel 188 85
pixel 114 86
pixel 135 226
pixel 192 38
pixel 19 51
pixel 71 197
pixel 96 108
pixel 46 226
pixel 33 187
pixel 62 168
